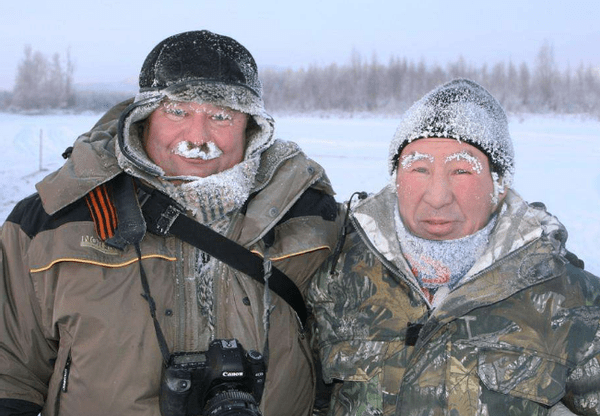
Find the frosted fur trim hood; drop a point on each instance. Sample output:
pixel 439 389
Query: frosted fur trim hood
pixel 202 67
pixel 463 110
pixel 259 135
pixel 94 162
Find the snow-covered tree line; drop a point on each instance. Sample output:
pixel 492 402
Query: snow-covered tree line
pixel 361 85
pixel 43 83
pixel 371 86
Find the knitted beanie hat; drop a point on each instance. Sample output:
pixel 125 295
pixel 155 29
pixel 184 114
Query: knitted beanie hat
pixel 463 110
pixel 203 67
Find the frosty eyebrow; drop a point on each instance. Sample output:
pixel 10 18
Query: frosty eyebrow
pixel 218 111
pixel 407 160
pixel 466 156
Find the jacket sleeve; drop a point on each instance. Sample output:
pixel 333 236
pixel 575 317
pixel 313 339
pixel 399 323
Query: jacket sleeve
pixel 583 389
pixel 13 407
pixel 25 355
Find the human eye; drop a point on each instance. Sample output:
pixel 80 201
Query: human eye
pixel 416 162
pixel 461 171
pixel 464 163
pixel 174 113
pixel 222 116
pixel 420 169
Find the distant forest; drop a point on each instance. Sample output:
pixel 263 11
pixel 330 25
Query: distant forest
pixel 360 86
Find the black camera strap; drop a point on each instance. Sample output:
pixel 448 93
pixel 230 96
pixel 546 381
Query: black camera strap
pixel 162 342
pixel 164 216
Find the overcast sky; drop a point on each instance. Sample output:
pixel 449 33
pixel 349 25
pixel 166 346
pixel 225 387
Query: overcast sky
pixel 109 39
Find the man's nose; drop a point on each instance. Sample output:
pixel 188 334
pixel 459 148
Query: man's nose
pixel 439 191
pixel 199 129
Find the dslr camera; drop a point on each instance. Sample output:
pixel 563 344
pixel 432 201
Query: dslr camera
pixel 225 380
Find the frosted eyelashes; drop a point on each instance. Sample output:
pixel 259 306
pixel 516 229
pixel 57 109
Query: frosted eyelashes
pixel 407 161
pixel 181 109
pixel 500 183
pixel 469 158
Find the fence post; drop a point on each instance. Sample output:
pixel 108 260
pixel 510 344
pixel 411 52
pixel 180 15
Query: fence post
pixel 41 146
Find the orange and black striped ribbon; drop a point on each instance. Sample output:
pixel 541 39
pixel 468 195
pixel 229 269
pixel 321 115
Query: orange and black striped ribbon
pixel 103 211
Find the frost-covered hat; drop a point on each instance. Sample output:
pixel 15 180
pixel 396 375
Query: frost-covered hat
pixel 203 67
pixel 463 110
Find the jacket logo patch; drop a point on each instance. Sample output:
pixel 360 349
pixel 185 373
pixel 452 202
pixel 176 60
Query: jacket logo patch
pixel 468 319
pixel 98 245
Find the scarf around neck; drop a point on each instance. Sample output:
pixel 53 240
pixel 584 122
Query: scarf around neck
pixel 441 263
pixel 215 197
pixel 210 200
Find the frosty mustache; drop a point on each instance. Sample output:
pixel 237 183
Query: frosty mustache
pixel 204 151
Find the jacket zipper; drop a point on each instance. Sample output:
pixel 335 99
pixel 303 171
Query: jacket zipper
pixel 65 376
pixel 441 324
pixel 180 300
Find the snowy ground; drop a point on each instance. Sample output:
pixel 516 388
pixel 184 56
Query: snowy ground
pixel 557 161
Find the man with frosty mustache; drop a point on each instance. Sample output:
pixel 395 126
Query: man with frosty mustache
pixel 452 295
pixel 101 285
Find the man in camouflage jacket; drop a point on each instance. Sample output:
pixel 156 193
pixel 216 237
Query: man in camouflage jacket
pixel 422 316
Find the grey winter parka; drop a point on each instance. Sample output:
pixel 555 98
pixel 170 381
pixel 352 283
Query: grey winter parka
pixel 519 334
pixel 76 336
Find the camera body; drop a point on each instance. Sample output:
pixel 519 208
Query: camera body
pixel 222 381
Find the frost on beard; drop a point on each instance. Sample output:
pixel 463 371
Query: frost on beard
pixel 213 197
pixel 205 151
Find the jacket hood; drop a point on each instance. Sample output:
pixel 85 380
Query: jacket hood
pixel 196 66
pixel 259 134
pixel 93 162
pixel 518 224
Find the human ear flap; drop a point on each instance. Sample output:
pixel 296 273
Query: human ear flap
pixel 500 199
pixel 500 189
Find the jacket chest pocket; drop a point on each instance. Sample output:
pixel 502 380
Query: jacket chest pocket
pixel 371 371
pixel 521 374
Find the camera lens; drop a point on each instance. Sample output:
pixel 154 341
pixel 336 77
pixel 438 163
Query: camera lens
pixel 232 403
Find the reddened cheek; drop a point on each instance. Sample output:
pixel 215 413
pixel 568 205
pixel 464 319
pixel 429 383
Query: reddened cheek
pixel 407 191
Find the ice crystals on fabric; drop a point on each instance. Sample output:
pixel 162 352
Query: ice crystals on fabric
pixel 437 263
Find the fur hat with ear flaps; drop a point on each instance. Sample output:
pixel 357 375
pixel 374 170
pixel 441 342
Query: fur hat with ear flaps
pixel 198 66
pixel 463 110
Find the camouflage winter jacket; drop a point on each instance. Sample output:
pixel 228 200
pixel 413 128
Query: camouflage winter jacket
pixel 517 336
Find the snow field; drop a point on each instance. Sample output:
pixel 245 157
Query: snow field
pixel 557 161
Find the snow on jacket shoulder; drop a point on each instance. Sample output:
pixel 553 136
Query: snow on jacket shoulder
pixel 520 334
pixel 77 336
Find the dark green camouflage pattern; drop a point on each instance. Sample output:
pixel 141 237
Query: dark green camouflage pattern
pixel 520 333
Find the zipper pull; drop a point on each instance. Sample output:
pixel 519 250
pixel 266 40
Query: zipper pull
pixel 65 377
